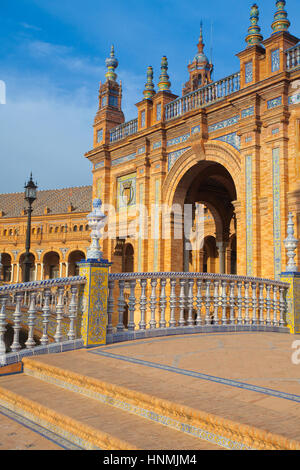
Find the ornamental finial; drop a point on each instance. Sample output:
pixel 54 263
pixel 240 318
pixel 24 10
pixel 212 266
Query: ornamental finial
pixel 96 220
pixel 254 37
pixel 164 83
pixel 149 91
pixel 281 22
pixel 290 244
pixel 111 63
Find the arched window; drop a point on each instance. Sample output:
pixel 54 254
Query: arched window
pixel 128 259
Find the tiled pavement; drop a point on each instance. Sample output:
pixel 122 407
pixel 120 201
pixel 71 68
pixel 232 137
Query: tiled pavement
pixel 189 370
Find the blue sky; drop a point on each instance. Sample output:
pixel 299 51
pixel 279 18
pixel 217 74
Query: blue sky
pixel 52 59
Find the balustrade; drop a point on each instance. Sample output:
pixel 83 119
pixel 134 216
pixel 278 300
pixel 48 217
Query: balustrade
pixel 123 130
pixel 293 57
pixel 169 300
pixel 47 310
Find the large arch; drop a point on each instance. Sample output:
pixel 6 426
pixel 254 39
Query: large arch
pixel 207 175
pixel 74 257
pixel 51 261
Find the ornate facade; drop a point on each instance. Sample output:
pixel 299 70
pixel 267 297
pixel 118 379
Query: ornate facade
pixel 229 149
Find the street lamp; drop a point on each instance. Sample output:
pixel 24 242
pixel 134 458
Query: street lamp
pixel 30 197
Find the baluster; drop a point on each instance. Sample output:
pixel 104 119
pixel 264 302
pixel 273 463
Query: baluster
pixel 152 322
pixel 254 303
pixel 45 316
pixel 275 296
pixel 72 312
pixel 268 305
pixel 181 302
pixel 282 305
pixel 224 302
pixel 143 304
pixel 110 306
pixel 261 304
pixel 17 322
pixel 3 302
pixel 30 343
pixel 216 303
pixel 207 302
pixel 190 302
pixel 231 303
pixel 246 299
pixel 162 303
pixel 121 305
pixel 288 60
pixel 131 307
pixel 172 322
pixel 239 303
pixel 199 302
pixel 59 314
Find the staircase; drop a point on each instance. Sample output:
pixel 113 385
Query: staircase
pixel 92 403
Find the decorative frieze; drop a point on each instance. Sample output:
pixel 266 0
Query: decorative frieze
pixel 276 212
pixel 195 130
pixel 156 145
pixel 178 140
pixel 223 124
pixel 99 165
pixel 249 215
pixel 294 99
pixel 120 160
pixel 247 112
pixel 274 102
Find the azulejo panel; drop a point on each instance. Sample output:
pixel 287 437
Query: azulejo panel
pixel 173 156
pixel 247 112
pixel 178 140
pixel 222 124
pixel 276 212
pixel 232 139
pixel 126 191
pixel 124 159
pixel 294 99
pixel 274 102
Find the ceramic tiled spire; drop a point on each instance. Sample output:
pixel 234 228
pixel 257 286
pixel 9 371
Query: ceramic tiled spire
pixel 164 83
pixel 111 64
pixel 254 37
pixel 149 91
pixel 281 22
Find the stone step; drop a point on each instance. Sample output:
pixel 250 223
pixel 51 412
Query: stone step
pixel 85 421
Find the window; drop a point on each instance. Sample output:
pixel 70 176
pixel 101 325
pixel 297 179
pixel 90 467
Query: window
pixel 113 101
pixel 104 101
pixel 248 72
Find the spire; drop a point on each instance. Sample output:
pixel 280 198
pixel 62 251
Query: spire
pixel 201 44
pixel 111 63
pixel 254 37
pixel 280 23
pixel 164 83
pixel 149 91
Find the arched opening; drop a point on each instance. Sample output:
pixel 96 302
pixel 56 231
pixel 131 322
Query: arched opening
pixel 204 213
pixel 32 266
pixel 51 265
pixel 128 259
pixel 6 267
pixel 74 258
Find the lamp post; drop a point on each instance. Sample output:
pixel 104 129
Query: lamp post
pixel 30 197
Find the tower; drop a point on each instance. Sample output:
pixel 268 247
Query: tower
pixel 109 113
pixel 200 69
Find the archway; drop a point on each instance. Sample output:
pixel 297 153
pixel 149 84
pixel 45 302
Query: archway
pixel 74 258
pixel 128 258
pixel 51 265
pixel 6 267
pixel 206 187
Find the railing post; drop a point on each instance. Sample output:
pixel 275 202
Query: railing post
pixel 95 292
pixel 290 306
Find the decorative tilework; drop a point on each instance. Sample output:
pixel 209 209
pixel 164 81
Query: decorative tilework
pixel 127 158
pixel 141 202
pixel 178 140
pixel 249 216
pixel 294 99
pixel 247 112
pixel 248 139
pixel 173 156
pixel 232 139
pixel 143 119
pixel 141 150
pixel 99 165
pixel 158 112
pixel 293 301
pixel 275 131
pixel 275 59
pixel 222 124
pixel 156 145
pixel 248 72
pixel 276 212
pixel 274 102
pixel 126 191
pixel 195 130
pixel 99 135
